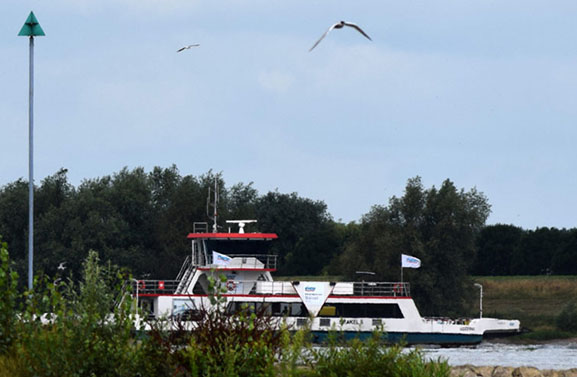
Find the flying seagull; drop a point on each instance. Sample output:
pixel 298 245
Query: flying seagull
pixel 61 266
pixel 187 47
pixel 340 25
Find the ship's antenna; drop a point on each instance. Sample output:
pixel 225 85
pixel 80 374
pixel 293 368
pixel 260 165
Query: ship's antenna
pixel 214 216
pixel 214 226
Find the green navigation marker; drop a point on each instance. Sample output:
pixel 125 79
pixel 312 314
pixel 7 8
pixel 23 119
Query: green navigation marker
pixel 31 27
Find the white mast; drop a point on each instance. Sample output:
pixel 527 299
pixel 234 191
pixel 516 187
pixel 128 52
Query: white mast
pixel 214 226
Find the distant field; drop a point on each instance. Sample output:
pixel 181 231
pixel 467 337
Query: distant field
pixel 535 300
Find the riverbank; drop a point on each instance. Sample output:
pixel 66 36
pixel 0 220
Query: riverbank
pixel 534 300
pixel 473 371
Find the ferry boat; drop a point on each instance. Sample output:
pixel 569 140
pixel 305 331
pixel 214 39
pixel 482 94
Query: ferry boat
pixel 355 309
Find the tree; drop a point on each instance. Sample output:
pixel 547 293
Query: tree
pixel 534 254
pixel 14 221
pixel 297 221
pixel 495 247
pixel 439 226
pixel 563 261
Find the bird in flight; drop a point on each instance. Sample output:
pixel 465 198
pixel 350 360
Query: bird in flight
pixel 61 266
pixel 187 47
pixel 340 25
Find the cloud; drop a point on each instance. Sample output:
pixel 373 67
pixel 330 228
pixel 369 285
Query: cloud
pixel 276 82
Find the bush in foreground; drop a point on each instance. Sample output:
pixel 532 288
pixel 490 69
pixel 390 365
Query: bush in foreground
pixel 372 358
pixel 567 318
pixel 89 332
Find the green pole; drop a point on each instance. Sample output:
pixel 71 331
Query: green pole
pixel 31 29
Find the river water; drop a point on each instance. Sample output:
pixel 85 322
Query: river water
pixel 560 355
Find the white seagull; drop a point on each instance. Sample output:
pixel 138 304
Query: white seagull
pixel 61 266
pixel 187 47
pixel 340 25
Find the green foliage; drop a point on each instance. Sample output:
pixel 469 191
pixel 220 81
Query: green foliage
pixel 8 297
pixel 307 236
pixel 242 344
pixel 139 220
pixel 79 330
pixel 567 318
pixel 14 221
pixel 87 329
pixel 373 359
pixel 439 226
pixel 509 250
pixel 495 247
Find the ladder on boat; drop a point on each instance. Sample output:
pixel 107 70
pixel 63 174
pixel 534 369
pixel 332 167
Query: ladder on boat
pixel 185 275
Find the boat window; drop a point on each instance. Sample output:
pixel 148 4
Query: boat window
pixel 328 311
pixel 275 309
pixel 361 310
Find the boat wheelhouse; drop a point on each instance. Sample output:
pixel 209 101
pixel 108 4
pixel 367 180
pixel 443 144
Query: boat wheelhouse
pixel 353 308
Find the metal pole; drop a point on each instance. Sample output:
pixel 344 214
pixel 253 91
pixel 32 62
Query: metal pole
pixel 480 299
pixel 31 168
pixel 481 303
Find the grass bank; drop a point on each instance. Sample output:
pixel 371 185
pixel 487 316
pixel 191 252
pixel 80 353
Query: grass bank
pixel 535 300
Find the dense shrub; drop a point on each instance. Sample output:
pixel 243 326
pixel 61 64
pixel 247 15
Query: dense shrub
pixel 8 296
pixel 242 344
pixel 82 329
pixel 87 329
pixel 567 318
pixel 371 358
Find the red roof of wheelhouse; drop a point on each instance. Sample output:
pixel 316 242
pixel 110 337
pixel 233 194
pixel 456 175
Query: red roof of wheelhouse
pixel 233 236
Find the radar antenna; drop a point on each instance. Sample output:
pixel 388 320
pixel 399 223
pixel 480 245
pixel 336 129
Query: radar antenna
pixel 241 224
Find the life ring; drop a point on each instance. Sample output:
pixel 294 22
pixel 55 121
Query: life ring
pixel 398 288
pixel 141 285
pixel 230 285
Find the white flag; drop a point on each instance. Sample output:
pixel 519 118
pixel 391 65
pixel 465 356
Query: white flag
pixel 408 261
pixel 218 258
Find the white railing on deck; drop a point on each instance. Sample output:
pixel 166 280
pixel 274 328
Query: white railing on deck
pixel 251 261
pixel 344 289
pixel 156 287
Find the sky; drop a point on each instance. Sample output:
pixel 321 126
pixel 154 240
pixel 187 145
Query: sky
pixel 481 92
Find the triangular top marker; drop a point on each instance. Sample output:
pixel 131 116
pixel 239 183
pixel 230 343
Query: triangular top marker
pixel 31 27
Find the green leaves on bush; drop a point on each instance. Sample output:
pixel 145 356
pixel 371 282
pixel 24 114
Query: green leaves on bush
pixel 70 329
pixel 370 358
pixel 8 295
pixel 87 329
pixel 567 319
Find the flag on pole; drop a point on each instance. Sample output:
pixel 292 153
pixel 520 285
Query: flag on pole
pixel 218 258
pixel 408 261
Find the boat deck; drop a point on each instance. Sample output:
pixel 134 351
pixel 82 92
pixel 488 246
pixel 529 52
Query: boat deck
pixel 272 288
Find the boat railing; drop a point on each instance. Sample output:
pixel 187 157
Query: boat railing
pixel 387 289
pixel 244 261
pixel 365 289
pixel 154 287
pixel 447 321
pixel 199 227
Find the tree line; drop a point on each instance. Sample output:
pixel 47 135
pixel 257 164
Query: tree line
pixel 139 220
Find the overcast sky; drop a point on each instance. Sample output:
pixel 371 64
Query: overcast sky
pixel 482 92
